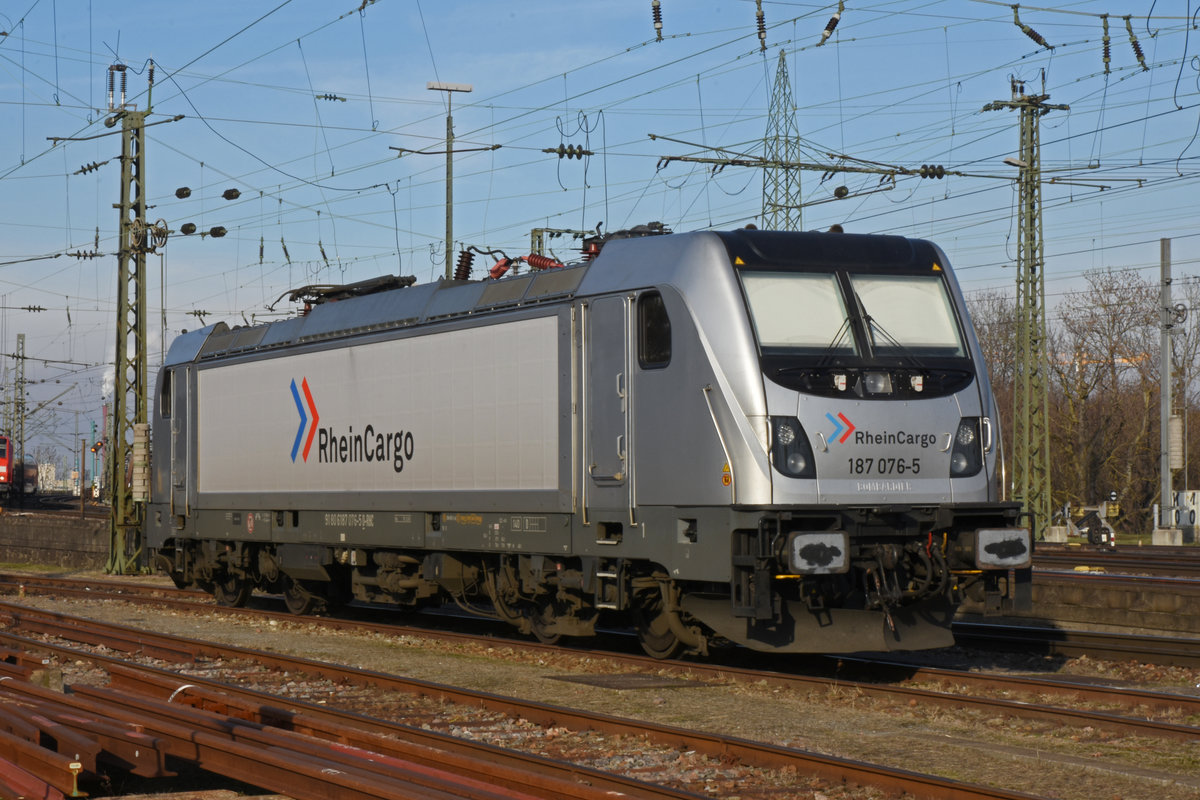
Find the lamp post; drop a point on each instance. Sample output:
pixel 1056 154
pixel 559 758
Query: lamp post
pixel 449 89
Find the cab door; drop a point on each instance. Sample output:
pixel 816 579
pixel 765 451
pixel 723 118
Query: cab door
pixel 608 450
pixel 181 380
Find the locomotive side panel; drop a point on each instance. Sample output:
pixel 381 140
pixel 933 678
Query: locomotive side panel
pixel 396 424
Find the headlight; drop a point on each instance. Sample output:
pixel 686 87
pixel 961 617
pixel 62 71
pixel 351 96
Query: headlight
pixel 877 382
pixel 966 459
pixel 790 451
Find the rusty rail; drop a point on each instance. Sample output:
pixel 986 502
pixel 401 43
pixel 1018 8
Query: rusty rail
pixel 744 751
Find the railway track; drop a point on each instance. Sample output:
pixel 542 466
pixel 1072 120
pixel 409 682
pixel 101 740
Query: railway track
pixel 1162 650
pixel 1169 651
pixel 751 760
pixel 1160 560
pixel 288 748
pixel 1120 711
pixel 57 504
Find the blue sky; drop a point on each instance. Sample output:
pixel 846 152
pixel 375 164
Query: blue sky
pixel 299 104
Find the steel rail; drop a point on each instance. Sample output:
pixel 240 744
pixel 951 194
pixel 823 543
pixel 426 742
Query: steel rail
pixel 1156 649
pixel 499 766
pixel 18 782
pixel 861 673
pixel 1153 583
pixel 747 752
pixel 280 761
pixel 484 761
pixel 1162 650
pixel 1154 560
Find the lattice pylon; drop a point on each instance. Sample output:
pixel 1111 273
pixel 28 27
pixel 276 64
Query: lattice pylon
pixel 781 145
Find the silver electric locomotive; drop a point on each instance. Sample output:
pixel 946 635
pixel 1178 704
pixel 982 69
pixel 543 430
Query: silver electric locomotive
pixel 786 441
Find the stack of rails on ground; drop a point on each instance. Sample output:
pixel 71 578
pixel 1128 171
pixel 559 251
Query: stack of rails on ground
pixel 786 441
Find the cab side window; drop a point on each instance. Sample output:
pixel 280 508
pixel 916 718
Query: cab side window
pixel 654 332
pixel 164 394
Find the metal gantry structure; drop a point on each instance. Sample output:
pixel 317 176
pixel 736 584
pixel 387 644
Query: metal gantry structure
pixel 781 164
pixel 781 150
pixel 130 389
pixel 1031 428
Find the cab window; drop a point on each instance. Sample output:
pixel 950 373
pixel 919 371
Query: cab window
pixel 164 394
pixel 654 332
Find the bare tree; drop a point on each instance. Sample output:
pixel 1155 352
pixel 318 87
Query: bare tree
pixel 1104 387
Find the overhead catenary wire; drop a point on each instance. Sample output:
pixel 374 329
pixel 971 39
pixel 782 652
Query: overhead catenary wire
pixel 511 122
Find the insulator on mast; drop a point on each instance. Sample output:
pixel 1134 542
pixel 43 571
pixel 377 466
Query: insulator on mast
pixel 1107 44
pixel 762 27
pixel 656 11
pixel 1028 31
pixel 833 23
pixel 1135 44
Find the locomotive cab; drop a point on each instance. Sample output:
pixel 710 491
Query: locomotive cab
pixel 883 447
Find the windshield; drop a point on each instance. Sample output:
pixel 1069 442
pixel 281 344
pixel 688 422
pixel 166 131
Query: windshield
pixel 908 315
pixel 801 311
pixel 855 314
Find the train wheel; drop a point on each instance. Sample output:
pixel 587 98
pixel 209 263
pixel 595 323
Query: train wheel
pixel 653 626
pixel 541 620
pixel 500 588
pixel 299 599
pixel 232 590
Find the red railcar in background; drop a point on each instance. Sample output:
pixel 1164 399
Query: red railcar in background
pixel 6 465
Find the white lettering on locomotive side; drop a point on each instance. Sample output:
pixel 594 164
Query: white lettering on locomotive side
pixel 923 440
pixel 349 520
pixel 368 446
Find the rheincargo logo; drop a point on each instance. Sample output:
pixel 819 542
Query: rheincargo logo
pixel 304 419
pixel 923 440
pixel 369 446
pixel 842 427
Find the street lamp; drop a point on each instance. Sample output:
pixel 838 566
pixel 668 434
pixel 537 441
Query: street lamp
pixel 449 89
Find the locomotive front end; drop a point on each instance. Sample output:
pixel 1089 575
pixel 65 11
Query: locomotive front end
pixel 883 446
